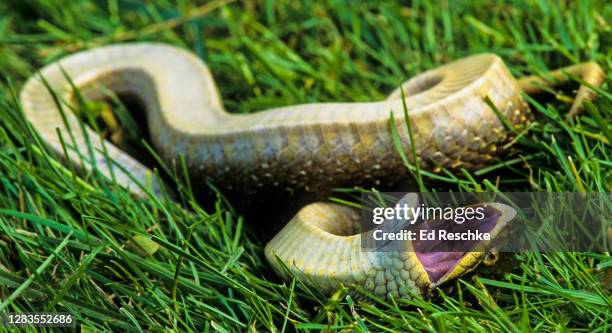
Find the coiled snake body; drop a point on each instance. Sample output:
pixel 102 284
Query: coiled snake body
pixel 307 146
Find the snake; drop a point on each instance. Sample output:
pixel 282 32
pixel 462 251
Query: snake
pixel 459 116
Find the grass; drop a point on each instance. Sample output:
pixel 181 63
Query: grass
pixel 71 242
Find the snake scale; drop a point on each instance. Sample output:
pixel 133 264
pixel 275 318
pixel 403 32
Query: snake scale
pixel 310 146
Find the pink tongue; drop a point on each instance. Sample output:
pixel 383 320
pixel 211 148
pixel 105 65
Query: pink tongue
pixel 440 257
pixel 437 264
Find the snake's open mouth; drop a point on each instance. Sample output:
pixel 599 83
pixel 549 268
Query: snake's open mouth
pixel 440 257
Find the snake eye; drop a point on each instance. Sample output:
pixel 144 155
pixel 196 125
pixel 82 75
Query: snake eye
pixel 491 258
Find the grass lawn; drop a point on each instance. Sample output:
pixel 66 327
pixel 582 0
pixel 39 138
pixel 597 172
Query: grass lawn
pixel 68 242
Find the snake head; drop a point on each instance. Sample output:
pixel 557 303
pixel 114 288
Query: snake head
pixel 322 247
pixel 441 265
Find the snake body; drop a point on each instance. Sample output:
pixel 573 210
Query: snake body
pixel 310 146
